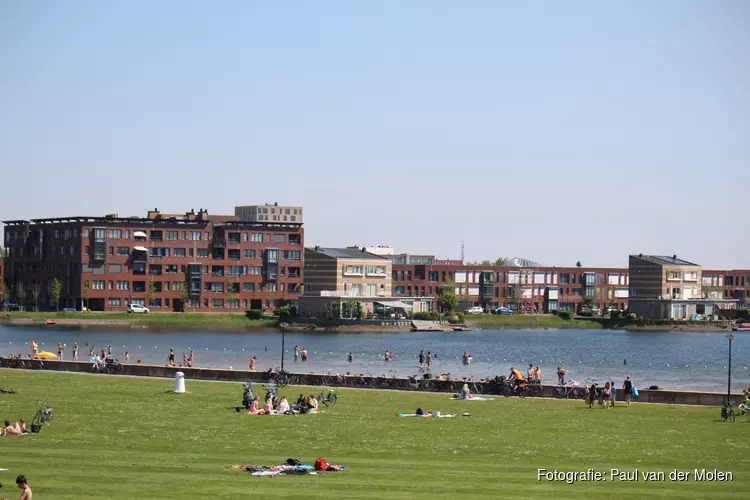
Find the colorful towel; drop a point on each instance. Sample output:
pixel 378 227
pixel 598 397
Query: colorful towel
pixel 426 415
pixel 267 471
pixel 474 398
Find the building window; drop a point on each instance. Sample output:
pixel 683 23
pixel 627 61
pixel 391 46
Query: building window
pixel 270 287
pixel 279 238
pixel 114 303
pixel 353 270
pixel 179 252
pixel 257 238
pixel 195 235
pixel 122 285
pixel 293 255
pixel 372 290
pixel 115 234
pixel 234 304
pixel 202 253
pixel 127 234
pixel 123 251
pixel 170 269
pixel 375 270
pixel 233 255
pixel 234 237
pixel 248 287
pixel 244 237
pixel 111 250
pixel 97 285
pixel 110 285
pixel 171 235
pixel 249 254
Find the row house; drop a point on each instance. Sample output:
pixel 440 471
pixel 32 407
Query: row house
pixel 541 289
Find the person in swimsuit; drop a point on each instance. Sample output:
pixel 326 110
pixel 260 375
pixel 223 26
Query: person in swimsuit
pixel 304 354
pixel 75 351
pixel 59 352
pixel 170 358
pixel 349 357
pixel 24 487
pixel 34 348
pixel 421 359
pixel 296 353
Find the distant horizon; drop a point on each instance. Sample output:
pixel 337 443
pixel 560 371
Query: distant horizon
pixel 563 132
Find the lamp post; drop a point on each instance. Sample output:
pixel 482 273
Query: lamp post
pixel 729 372
pixel 283 335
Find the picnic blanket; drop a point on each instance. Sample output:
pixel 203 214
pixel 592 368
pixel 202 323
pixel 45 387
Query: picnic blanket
pixel 273 471
pixel 473 398
pixel 425 415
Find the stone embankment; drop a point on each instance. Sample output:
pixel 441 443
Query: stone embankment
pixel 354 381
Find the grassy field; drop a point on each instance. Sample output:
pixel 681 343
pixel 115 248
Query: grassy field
pixel 522 321
pixel 154 319
pixel 123 438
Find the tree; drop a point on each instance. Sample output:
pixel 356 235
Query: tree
pixel 517 289
pixel 86 288
pixel 184 296
pixel 20 293
pixel 2 253
pixel 36 290
pixel 55 288
pixel 151 293
pixel 230 293
pixel 447 299
pixel 501 261
pixel 3 290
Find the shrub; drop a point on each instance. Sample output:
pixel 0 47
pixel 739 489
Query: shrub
pixel 743 314
pixel 254 314
pixel 427 316
pixel 565 314
pixel 286 311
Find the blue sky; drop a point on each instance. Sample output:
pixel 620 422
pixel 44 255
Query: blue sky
pixel 556 131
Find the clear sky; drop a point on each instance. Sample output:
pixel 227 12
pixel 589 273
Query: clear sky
pixel 555 131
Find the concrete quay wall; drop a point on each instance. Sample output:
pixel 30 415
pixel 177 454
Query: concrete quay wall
pixel 355 382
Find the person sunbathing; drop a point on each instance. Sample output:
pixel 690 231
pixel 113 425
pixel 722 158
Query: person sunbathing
pixel 283 405
pixel 268 408
pixel 301 403
pixel 254 410
pixel 312 404
pixel 9 430
pixel 21 426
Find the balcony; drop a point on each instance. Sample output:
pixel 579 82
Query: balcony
pixel 295 240
pixel 219 273
pixel 294 275
pixel 219 242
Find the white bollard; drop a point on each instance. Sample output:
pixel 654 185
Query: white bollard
pixel 179 382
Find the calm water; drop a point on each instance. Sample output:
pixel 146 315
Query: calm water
pixel 670 360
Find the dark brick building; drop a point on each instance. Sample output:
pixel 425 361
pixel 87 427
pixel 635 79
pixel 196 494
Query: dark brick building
pixel 192 261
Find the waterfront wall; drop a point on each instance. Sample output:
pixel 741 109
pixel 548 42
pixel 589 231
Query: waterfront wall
pixel 355 382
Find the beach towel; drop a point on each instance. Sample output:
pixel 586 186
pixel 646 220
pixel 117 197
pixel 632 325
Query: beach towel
pixel 283 469
pixel 426 415
pixel 474 398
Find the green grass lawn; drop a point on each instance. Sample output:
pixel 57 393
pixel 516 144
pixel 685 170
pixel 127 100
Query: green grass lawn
pixel 125 438
pixel 154 319
pixel 522 321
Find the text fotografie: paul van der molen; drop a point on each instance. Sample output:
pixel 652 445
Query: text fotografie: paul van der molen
pixel 634 475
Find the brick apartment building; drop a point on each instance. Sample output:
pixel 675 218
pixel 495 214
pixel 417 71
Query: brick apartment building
pixel 192 261
pixel 543 288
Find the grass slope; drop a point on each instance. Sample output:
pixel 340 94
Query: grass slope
pixel 524 321
pixel 153 319
pixel 124 438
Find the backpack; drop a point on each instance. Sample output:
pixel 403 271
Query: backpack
pixel 321 464
pixel 293 461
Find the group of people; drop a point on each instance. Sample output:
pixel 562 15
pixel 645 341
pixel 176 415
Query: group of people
pixel 300 353
pixel 304 404
pixel 534 375
pixel 606 395
pixel 425 359
pixel 187 359
pixel 14 430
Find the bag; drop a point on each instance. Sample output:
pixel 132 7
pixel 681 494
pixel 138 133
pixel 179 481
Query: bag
pixel 635 392
pixel 293 461
pixel 321 464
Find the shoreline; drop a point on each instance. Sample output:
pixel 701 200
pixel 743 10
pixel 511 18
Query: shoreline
pixel 240 323
pixel 659 396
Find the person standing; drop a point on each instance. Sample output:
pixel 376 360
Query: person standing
pixel 251 366
pixel 170 356
pixel 627 390
pixel 34 348
pixel 75 351
pixel 350 357
pixel 429 360
pixel 127 356
pixel 59 351
pixel 538 375
pixel 561 372
pixel 613 393
pixel 530 374
pixel 304 354
pixel 421 359
pixel 296 353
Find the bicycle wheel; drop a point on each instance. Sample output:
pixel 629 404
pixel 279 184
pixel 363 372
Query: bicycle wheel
pixel 731 416
pixel 38 418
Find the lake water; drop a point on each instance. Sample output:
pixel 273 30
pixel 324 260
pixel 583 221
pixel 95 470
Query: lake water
pixel 695 361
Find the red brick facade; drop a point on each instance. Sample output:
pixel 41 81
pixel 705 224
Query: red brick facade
pixel 196 262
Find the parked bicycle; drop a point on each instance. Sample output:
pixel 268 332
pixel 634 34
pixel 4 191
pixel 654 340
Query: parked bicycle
pixel 42 417
pixel 572 390
pixel 328 398
pixel 283 378
pixel 727 413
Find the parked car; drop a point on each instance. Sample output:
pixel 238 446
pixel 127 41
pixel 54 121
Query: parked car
pixel 503 311
pixel 7 305
pixel 586 311
pixel 137 308
pixel 475 310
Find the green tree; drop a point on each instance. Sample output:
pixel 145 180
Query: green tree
pixel 501 261
pixel 359 313
pixel 3 290
pixel 151 293
pixel 86 287
pixel 21 293
pixel 230 293
pixel 447 299
pixel 36 290
pixel 55 288
pixel 184 296
pixel 2 253
pixel 517 289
